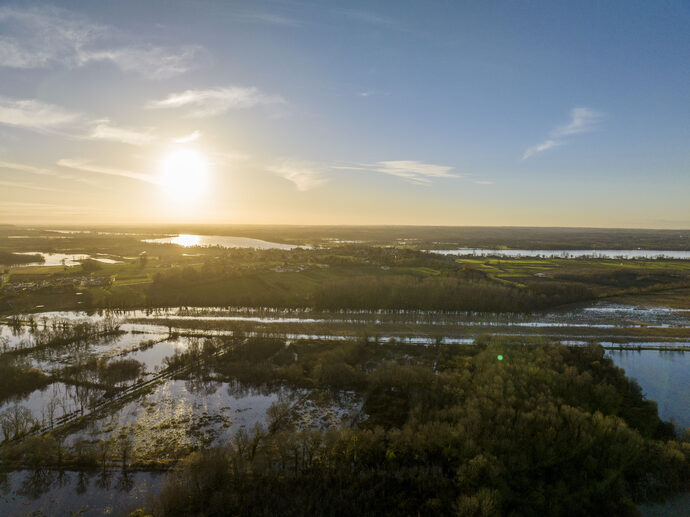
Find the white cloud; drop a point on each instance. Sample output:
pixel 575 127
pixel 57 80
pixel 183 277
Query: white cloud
pixel 413 171
pixel 30 169
pixel 216 101
pixel 582 120
pixel 373 93
pixel 195 135
pixel 547 144
pixel 105 131
pixel 417 171
pixel 47 36
pixel 33 114
pixel 150 61
pixel 267 18
pixel 231 156
pixel 43 117
pixel 86 166
pixel 28 186
pixel 304 175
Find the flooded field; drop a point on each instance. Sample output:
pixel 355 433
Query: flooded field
pixel 169 406
pixel 65 493
pixel 179 416
pixel 64 259
pixel 613 325
pixel 48 404
pixel 633 335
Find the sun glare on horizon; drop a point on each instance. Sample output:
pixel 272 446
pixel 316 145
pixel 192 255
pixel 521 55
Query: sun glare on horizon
pixel 184 175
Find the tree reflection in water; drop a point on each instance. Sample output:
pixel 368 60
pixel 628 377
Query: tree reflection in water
pixel 37 483
pixel 125 482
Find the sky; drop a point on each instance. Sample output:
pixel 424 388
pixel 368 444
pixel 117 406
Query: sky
pixel 488 113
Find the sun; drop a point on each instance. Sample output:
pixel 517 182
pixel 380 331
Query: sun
pixel 183 174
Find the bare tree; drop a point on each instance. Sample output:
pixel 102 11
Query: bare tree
pixel 16 421
pixel 125 447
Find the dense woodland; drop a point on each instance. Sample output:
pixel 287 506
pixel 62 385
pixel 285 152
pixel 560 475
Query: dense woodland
pixel 544 430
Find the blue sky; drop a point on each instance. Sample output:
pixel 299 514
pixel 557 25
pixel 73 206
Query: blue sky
pixel 453 113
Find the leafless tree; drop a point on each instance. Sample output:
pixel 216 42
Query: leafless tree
pixel 16 421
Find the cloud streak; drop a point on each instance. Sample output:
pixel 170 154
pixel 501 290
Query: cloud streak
pixel 195 135
pixel 305 175
pixel 582 120
pixel 47 37
pixel 104 130
pixel 36 115
pixel 86 166
pixel 30 169
pixel 216 101
pixel 28 186
pixel 39 116
pixel 412 171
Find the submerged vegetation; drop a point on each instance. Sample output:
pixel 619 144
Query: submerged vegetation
pixel 17 378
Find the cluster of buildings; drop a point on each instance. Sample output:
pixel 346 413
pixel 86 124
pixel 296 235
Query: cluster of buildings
pixel 296 268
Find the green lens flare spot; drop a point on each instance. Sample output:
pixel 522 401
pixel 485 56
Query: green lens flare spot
pixel 500 358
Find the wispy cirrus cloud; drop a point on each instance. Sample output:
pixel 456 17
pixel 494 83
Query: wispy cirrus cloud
pixel 305 175
pixel 193 136
pixel 216 101
pixel 149 61
pixel 87 166
pixel 419 173
pixel 582 120
pixel 39 116
pixel 40 171
pixel 265 17
pixel 36 115
pixel 28 186
pixel 104 130
pixel 544 146
pixel 47 37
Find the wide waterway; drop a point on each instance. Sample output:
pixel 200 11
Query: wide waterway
pixel 188 240
pixel 606 254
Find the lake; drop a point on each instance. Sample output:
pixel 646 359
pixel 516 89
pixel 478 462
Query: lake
pixel 664 377
pixel 187 240
pixel 610 254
